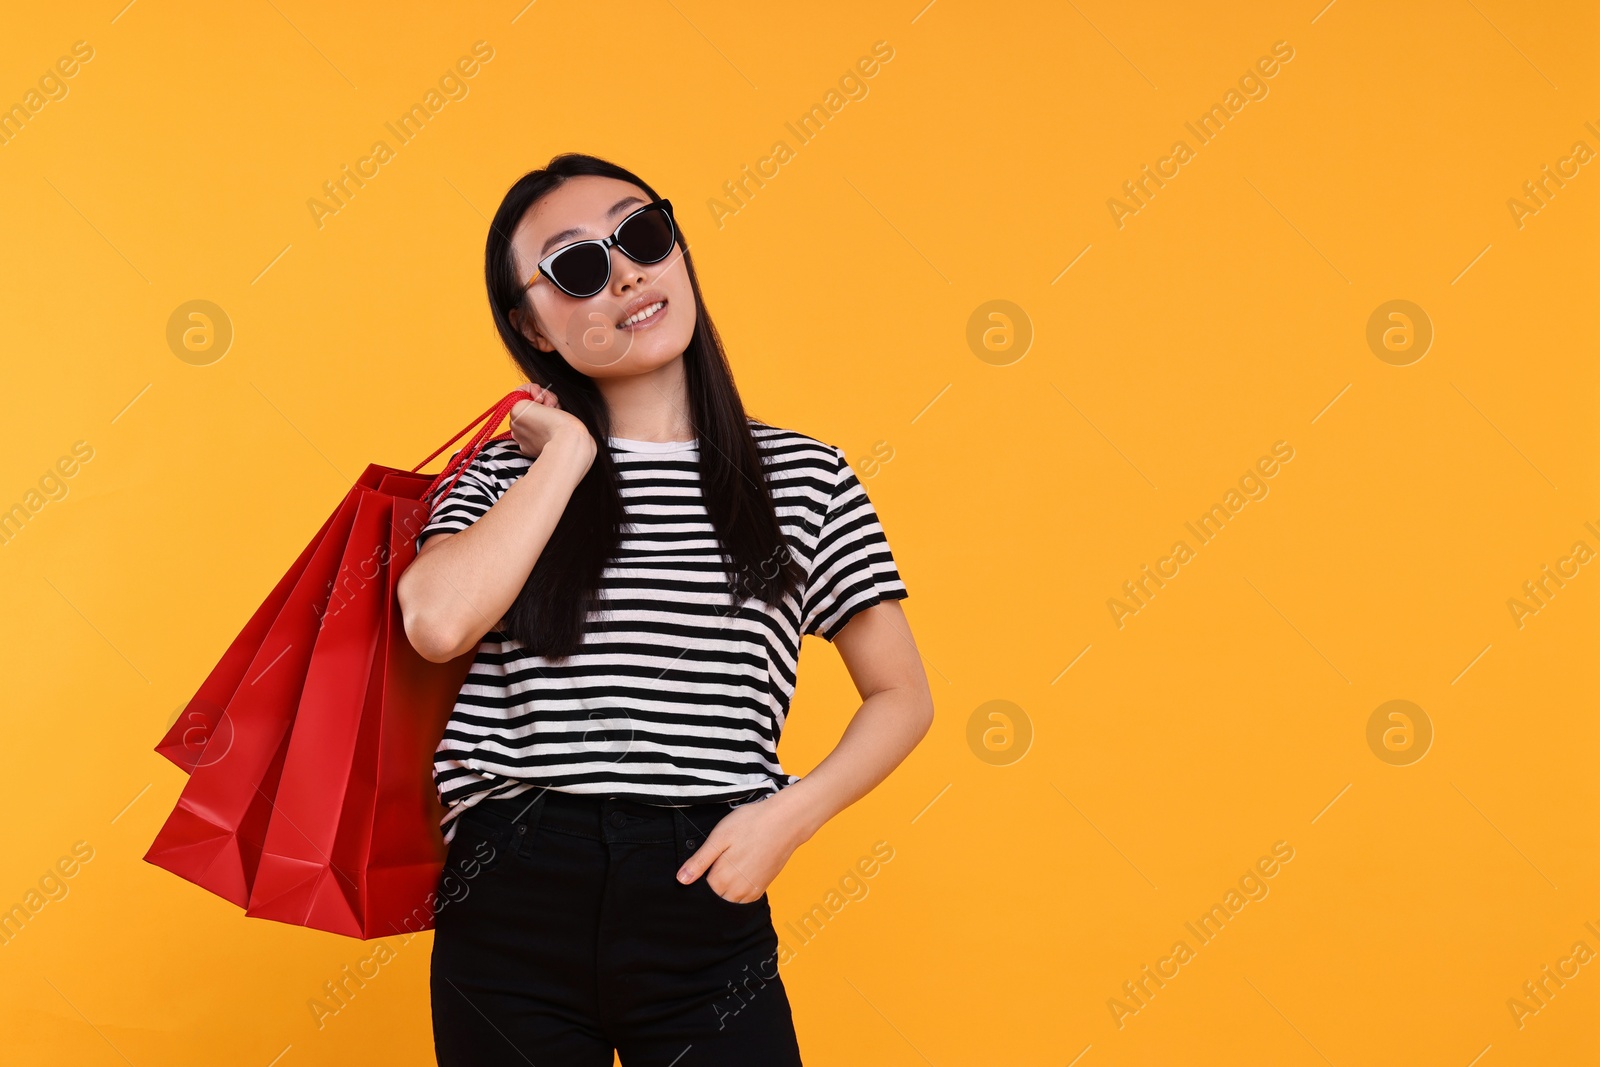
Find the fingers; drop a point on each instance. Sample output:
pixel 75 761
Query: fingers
pixel 537 394
pixel 702 861
pixel 541 395
pixel 737 893
pixel 696 864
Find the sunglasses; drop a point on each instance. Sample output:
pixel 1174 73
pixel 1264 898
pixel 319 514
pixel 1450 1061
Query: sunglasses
pixel 583 268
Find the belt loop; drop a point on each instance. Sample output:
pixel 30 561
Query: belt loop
pixel 527 824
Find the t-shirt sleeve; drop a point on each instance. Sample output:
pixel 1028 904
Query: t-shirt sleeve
pixel 853 567
pixel 473 495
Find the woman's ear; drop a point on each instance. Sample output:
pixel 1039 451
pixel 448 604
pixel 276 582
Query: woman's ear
pixel 524 324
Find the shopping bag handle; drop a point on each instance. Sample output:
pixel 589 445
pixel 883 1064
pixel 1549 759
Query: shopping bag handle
pixel 499 410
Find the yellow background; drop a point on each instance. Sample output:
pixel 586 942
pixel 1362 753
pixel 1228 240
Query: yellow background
pixel 1229 313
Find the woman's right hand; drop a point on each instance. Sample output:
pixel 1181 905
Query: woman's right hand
pixel 538 421
pixel 461 580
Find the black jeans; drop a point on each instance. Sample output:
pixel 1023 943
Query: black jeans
pixel 561 933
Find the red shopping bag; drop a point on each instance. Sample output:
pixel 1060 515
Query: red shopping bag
pixel 309 746
pixel 202 717
pixel 213 835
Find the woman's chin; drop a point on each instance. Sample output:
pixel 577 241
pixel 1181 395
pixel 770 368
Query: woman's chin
pixel 651 350
pixel 624 362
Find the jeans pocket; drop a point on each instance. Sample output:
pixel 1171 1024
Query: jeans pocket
pixel 705 887
pixel 478 847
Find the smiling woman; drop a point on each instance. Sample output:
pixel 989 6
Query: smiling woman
pixel 635 568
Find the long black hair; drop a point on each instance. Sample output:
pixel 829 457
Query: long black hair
pixel 548 616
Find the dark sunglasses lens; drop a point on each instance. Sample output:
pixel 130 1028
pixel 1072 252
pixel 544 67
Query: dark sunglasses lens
pixel 647 237
pixel 581 270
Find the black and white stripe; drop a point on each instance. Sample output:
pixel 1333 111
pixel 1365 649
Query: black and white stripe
pixel 678 694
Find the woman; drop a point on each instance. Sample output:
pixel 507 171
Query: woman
pixel 614 804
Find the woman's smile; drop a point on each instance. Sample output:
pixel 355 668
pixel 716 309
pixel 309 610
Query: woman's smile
pixel 645 316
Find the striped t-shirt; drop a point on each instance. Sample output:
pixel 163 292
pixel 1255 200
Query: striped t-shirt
pixel 676 695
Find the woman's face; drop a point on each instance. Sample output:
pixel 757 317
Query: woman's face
pixel 588 333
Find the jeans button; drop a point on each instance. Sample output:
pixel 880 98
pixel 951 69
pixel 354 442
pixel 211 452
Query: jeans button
pixel 618 818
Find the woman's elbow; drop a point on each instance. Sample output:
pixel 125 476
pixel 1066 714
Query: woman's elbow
pixel 927 716
pixel 429 647
pixel 429 643
pixel 922 710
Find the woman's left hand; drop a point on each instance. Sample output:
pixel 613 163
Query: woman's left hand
pixel 746 850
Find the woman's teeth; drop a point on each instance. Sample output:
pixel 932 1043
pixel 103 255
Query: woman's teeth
pixel 642 314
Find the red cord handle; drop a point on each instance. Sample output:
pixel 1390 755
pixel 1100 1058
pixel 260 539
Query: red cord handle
pixel 501 409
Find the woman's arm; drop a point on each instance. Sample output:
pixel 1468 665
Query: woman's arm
pixel 461 584
pixel 754 841
pixel 896 712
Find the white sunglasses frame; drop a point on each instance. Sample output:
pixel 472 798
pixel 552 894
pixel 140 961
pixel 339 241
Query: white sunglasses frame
pixel 605 244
